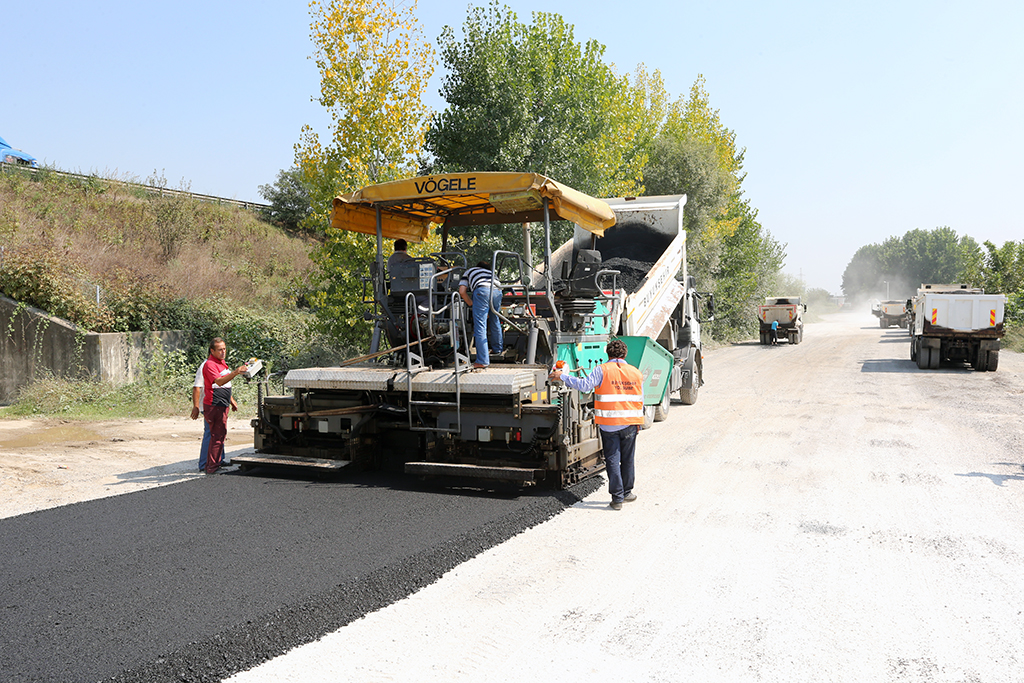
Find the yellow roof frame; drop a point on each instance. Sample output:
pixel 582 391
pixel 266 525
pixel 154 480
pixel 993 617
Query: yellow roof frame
pixel 409 207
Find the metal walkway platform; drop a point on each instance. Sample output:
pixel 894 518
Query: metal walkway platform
pixel 497 379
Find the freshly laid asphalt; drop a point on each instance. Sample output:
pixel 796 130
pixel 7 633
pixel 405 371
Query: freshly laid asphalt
pixel 204 578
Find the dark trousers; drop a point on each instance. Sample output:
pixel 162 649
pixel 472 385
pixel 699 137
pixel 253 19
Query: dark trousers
pixel 217 418
pixel 619 460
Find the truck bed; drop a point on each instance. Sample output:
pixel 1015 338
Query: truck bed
pixel 938 313
pixel 784 314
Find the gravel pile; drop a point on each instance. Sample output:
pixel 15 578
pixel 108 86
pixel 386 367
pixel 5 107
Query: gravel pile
pixel 631 272
pixel 632 247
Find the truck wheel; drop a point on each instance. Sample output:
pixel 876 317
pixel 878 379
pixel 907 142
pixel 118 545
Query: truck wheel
pixel 661 410
pixel 882 323
pixel 648 416
pixel 924 355
pixel 689 396
pixel 993 360
pixel 764 338
pixel 934 356
pixel 913 349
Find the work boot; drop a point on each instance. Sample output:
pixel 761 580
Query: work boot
pixel 630 497
pixel 615 505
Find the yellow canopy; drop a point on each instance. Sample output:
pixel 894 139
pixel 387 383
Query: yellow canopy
pixel 408 207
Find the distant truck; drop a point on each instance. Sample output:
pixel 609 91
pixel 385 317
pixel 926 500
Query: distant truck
pixel 890 313
pixel 956 323
pixel 788 312
pixel 9 155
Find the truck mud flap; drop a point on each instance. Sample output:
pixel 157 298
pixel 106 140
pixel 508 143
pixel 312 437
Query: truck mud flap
pixel 522 475
pixel 322 464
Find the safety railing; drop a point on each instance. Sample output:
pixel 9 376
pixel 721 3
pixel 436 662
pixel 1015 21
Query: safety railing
pixel 149 189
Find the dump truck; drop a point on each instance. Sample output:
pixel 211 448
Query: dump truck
pixel 788 312
pixel 956 323
pixel 890 313
pixel 415 403
pixel 655 299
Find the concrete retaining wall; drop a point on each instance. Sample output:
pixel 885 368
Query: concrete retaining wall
pixel 31 341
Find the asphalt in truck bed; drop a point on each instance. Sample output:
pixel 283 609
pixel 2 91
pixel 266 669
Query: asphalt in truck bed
pixel 200 579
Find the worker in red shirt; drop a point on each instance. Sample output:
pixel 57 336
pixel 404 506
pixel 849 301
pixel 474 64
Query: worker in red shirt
pixel 217 378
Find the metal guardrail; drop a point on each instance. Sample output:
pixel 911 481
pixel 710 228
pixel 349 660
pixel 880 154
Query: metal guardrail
pixel 159 191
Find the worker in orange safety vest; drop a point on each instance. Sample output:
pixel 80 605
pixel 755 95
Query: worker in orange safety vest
pixel 618 412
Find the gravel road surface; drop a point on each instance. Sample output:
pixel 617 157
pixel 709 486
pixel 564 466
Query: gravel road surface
pixel 825 512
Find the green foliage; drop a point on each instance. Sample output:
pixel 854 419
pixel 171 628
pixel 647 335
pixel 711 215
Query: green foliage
pixel 1014 339
pixel 728 250
pixel 178 247
pixel 747 272
pixel 531 98
pixel 690 167
pixel 1002 268
pixel 711 166
pixel 939 256
pixel 343 259
pixel 162 386
pixel 231 275
pixel 695 154
pixel 138 302
pixel 175 222
pixel 281 338
pixel 163 382
pixel 1002 271
pixel 40 276
pixel 374 66
pixel 289 198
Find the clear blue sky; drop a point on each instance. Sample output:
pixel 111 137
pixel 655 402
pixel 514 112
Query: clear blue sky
pixel 860 120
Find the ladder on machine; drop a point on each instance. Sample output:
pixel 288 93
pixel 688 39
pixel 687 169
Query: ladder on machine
pixel 454 313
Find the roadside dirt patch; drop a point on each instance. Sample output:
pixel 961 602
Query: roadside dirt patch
pixel 47 463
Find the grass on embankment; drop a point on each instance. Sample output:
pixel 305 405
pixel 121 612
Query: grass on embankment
pixel 160 262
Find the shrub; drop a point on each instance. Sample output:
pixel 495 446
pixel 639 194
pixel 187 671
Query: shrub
pixel 41 277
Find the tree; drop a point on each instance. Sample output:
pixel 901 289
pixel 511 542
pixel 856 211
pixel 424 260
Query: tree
pixel 531 98
pixel 899 265
pixel 695 131
pixel 695 154
pixel 863 272
pixel 747 273
pixel 374 66
pixel 1003 269
pixel 289 199
pixel 728 250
